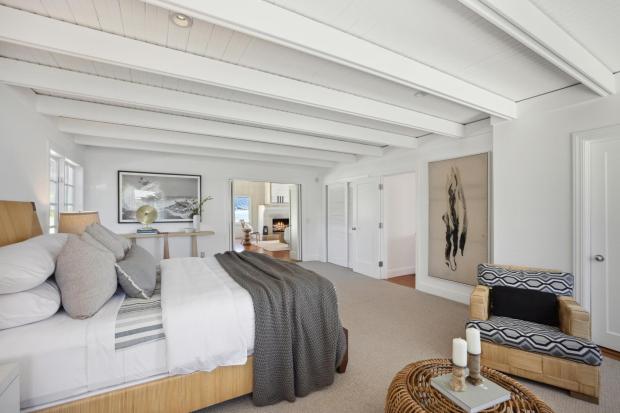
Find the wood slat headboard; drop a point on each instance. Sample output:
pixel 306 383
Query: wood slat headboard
pixel 18 222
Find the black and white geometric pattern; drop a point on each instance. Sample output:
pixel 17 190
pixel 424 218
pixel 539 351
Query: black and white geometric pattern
pixel 537 338
pixel 559 283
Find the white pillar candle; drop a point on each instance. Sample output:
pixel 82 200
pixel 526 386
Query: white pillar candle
pixel 473 340
pixel 459 352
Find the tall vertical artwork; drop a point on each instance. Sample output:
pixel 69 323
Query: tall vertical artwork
pixel 458 217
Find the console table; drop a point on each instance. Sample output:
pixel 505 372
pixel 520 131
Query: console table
pixel 166 235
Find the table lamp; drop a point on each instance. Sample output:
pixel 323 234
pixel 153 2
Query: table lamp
pixel 76 222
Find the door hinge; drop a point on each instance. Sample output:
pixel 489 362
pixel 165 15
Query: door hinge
pixel 380 263
pixel 380 225
pixel 380 187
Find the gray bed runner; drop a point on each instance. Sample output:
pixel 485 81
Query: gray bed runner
pixel 139 320
pixel 299 340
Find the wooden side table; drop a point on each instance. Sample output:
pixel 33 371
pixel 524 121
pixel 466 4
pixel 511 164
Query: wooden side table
pixel 166 235
pixel 411 391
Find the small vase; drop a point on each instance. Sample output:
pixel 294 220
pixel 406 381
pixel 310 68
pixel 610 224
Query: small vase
pixel 196 222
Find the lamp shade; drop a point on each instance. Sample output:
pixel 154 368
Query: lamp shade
pixel 76 222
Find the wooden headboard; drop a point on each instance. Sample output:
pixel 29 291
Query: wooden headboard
pixel 18 222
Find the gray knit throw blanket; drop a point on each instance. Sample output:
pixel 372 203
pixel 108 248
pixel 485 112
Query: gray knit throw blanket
pixel 299 340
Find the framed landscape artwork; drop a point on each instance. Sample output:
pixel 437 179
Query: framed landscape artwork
pixel 172 195
pixel 458 217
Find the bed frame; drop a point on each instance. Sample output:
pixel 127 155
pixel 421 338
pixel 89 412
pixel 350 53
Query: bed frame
pixel 181 393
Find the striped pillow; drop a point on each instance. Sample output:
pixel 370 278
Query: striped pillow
pixel 559 283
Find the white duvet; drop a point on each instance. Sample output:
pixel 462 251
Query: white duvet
pixel 208 318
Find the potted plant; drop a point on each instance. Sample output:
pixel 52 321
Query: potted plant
pixel 197 211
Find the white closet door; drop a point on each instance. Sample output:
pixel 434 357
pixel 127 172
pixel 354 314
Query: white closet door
pixel 337 224
pixel 368 233
pixel 605 242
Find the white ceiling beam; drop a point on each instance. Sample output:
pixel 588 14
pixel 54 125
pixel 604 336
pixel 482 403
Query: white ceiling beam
pixel 68 108
pixel 276 24
pixel 84 86
pixel 194 151
pixel 531 26
pixel 134 133
pixel 16 26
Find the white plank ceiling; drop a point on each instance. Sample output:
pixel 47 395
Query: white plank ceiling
pixel 442 34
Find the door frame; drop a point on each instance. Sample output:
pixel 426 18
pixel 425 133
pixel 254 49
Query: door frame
pixel 582 209
pixel 231 216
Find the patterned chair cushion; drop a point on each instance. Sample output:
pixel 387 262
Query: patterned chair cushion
pixel 537 338
pixel 559 283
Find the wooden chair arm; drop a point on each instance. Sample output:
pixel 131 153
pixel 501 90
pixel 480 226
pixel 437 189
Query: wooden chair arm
pixel 574 319
pixel 479 303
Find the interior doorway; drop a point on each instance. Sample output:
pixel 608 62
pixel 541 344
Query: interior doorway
pixel 597 231
pixel 266 218
pixel 371 226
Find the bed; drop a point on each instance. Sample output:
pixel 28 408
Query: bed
pixel 83 369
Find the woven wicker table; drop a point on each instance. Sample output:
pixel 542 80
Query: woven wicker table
pixel 411 391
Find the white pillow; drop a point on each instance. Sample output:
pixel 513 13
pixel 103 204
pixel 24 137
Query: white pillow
pixel 23 266
pixel 53 243
pixel 29 306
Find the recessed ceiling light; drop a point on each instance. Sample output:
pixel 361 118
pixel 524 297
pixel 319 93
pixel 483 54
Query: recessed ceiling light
pixel 181 20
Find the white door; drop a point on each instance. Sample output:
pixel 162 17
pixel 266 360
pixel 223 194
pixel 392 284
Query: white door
pixel 351 220
pixel 294 229
pixel 605 242
pixel 337 224
pixel 367 255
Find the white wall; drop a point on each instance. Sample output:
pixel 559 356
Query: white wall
pixel 100 181
pixel 25 142
pixel 532 170
pixel 400 161
pixel 399 223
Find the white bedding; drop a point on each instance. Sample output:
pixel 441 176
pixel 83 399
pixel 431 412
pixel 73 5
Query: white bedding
pixel 208 318
pixel 61 357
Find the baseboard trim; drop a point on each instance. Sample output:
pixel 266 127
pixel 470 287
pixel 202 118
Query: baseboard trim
pixel 458 296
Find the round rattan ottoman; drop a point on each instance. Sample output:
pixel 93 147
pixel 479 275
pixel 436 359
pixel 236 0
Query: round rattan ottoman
pixel 411 391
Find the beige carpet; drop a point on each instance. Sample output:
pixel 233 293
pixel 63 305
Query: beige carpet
pixel 389 327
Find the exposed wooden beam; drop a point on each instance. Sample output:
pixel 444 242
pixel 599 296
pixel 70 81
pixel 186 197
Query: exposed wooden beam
pixel 531 26
pixel 134 133
pixel 58 36
pixel 276 24
pixel 194 151
pixel 76 109
pixel 84 86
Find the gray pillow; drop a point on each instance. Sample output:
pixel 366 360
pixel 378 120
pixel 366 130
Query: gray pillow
pixel 86 277
pixel 137 273
pixel 86 237
pixel 124 241
pixel 107 239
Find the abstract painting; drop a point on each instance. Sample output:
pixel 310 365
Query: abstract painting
pixel 174 196
pixel 458 217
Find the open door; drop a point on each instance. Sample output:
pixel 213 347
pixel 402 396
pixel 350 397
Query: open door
pixel 367 227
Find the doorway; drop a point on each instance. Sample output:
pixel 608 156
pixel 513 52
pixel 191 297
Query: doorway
pixel 597 231
pixel 266 218
pixel 371 226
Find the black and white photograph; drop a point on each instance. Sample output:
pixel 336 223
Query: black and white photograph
pixel 174 196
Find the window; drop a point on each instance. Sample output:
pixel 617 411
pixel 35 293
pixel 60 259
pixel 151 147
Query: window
pixel 54 192
pixel 241 205
pixel 69 187
pixel 65 188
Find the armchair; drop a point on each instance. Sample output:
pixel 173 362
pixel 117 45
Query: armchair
pixel 561 356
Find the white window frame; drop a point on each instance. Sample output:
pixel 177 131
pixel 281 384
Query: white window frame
pixel 249 220
pixel 62 204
